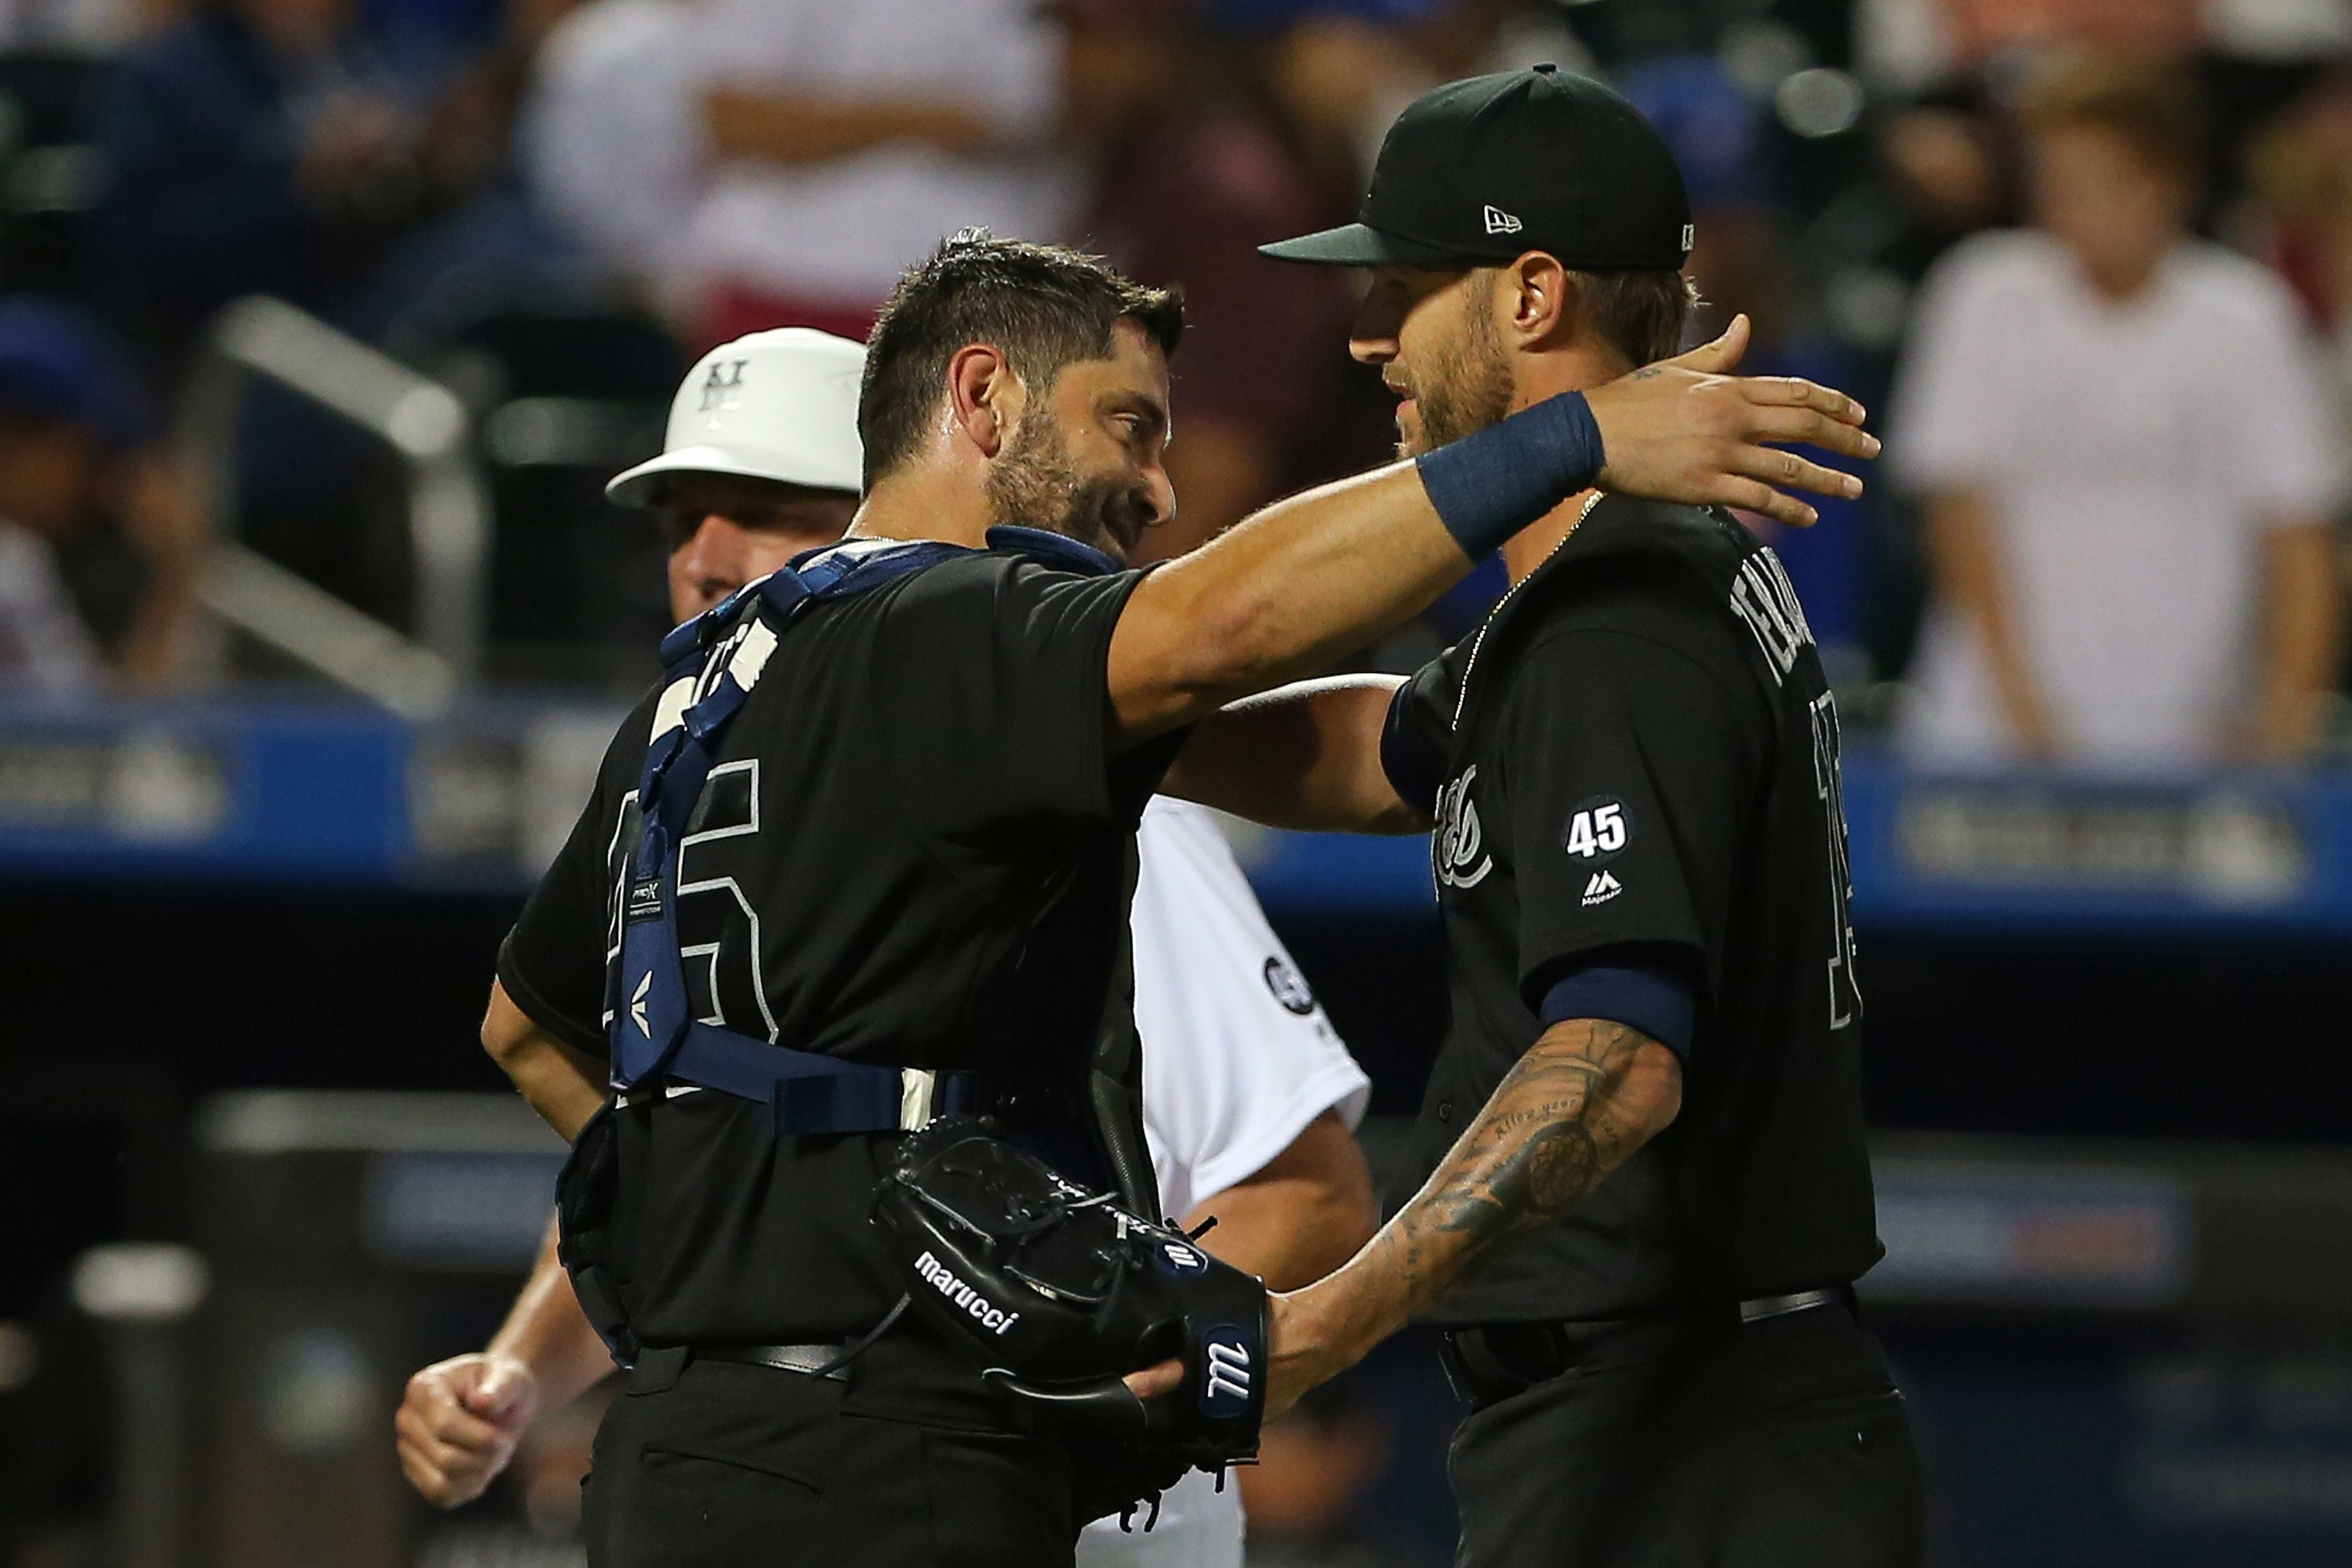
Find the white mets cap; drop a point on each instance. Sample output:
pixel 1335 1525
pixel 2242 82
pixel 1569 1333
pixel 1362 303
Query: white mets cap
pixel 780 405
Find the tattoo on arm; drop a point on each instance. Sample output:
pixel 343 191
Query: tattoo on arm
pixel 1575 1108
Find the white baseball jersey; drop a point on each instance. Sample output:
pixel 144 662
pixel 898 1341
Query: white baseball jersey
pixel 1238 1057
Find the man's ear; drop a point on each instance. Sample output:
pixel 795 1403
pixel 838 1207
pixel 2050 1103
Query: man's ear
pixel 984 397
pixel 1540 304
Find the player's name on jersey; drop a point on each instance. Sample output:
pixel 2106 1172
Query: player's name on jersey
pixel 1766 601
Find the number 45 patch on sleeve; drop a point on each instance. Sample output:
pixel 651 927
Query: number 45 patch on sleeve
pixel 1598 830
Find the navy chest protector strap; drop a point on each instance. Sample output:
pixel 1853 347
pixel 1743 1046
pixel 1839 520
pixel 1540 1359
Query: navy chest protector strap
pixel 712 663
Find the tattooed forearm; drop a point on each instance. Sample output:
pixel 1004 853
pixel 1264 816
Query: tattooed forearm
pixel 1575 1108
pixel 1561 1120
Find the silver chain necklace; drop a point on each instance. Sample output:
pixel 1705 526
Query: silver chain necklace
pixel 1462 692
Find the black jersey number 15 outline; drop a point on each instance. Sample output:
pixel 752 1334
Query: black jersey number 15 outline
pixel 717 928
pixel 1845 993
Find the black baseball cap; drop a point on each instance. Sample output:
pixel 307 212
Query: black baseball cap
pixel 1489 168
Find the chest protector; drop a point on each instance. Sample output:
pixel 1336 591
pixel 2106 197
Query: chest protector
pixel 711 665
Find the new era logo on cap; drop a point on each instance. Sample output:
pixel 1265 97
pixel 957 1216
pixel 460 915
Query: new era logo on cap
pixel 1500 222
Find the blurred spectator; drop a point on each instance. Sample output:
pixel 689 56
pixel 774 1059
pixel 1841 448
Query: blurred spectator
pixel 1740 261
pixel 76 27
pixel 846 140
pixel 611 141
pixel 1905 46
pixel 1313 1469
pixel 70 429
pixel 2128 471
pixel 1341 70
pixel 247 151
pixel 2299 174
pixel 1946 171
pixel 272 147
pixel 753 163
pixel 1188 184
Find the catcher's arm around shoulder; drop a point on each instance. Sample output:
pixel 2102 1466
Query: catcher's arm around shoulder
pixel 1303 756
pixel 1296 585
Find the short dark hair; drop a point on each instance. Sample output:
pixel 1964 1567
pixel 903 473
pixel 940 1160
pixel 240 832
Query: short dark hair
pixel 2151 108
pixel 1044 306
pixel 1642 314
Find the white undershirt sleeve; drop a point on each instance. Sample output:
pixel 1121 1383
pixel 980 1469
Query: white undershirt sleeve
pixel 1238 1057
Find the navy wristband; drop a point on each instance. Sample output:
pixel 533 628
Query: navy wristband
pixel 1653 998
pixel 1489 486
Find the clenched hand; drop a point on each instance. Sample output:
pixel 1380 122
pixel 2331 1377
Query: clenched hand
pixel 459 1424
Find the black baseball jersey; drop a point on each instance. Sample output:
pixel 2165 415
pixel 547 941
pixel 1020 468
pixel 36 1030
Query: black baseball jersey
pixel 912 850
pixel 1637 758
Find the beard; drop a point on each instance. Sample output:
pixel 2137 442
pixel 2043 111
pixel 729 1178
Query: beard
pixel 1034 484
pixel 1466 387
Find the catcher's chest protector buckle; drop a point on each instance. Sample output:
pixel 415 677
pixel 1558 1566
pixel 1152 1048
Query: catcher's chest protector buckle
pixel 1060 1294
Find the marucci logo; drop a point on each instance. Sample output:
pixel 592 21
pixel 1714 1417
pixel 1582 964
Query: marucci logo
pixel 995 1319
pixel 1229 1372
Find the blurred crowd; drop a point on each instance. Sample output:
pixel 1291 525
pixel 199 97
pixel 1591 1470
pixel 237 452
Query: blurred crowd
pixel 2090 261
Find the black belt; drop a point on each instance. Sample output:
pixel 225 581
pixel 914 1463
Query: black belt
pixel 1494 1361
pixel 809 1361
pixel 656 1368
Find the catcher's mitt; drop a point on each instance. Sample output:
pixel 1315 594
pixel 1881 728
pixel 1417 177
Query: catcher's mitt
pixel 1061 1293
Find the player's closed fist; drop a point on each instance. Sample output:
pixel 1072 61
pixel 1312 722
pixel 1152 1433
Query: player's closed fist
pixel 459 1424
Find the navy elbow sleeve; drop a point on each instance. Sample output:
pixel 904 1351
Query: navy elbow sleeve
pixel 1488 486
pixel 1656 998
pixel 1412 769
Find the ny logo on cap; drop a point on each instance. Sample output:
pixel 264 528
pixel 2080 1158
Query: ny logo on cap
pixel 723 387
pixel 1500 222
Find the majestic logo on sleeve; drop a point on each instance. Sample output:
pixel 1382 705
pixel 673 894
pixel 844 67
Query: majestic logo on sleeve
pixel 1457 850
